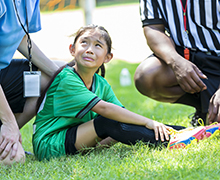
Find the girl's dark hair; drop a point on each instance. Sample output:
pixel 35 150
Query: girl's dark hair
pixel 79 33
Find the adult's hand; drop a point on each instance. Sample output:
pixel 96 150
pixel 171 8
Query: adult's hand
pixel 9 133
pixel 9 138
pixel 214 108
pixel 188 76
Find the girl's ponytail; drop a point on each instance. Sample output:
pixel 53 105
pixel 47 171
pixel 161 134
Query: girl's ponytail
pixel 102 67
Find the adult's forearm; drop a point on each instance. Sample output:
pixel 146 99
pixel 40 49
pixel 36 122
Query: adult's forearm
pixel 6 115
pixel 161 44
pixel 38 57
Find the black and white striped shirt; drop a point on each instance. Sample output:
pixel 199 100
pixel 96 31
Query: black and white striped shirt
pixel 202 21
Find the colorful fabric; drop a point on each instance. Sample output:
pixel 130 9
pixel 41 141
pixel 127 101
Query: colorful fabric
pixel 52 5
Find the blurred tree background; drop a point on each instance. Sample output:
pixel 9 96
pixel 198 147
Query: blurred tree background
pixel 51 5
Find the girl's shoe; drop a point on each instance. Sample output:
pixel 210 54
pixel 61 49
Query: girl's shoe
pixel 212 130
pixel 184 138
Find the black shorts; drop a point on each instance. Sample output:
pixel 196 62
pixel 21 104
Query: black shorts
pixel 11 80
pixel 70 140
pixel 210 66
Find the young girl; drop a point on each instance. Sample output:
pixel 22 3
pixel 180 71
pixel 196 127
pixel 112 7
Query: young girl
pixel 81 108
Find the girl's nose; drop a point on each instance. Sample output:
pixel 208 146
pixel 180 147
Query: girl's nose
pixel 89 51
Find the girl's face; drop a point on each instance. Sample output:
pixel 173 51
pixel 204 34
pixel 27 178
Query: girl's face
pixel 90 50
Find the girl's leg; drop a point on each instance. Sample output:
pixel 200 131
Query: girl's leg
pixel 125 133
pixel 89 133
pixel 86 136
pixel 79 137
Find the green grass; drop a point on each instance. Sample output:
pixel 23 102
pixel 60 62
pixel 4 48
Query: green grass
pixel 122 161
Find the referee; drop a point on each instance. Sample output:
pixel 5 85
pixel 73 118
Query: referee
pixel 184 68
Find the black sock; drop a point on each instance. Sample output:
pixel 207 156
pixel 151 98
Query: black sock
pixel 190 100
pixel 125 133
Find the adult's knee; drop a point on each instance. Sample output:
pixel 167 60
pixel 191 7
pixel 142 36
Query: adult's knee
pixel 145 79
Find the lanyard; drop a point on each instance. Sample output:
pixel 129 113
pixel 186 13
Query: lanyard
pixel 29 45
pixel 186 50
pixel 184 13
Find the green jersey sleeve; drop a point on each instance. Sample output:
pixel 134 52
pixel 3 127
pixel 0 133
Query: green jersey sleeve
pixel 108 94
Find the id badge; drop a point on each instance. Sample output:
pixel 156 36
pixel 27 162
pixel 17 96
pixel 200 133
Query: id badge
pixel 32 83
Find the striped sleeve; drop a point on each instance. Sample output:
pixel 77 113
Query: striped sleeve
pixel 149 12
pixel 204 25
pixel 202 22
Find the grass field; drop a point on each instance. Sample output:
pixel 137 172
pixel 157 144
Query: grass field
pixel 200 161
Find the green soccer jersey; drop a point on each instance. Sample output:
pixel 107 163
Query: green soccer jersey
pixel 68 103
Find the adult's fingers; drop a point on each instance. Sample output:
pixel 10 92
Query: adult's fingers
pixel 200 74
pixel 214 110
pixel 193 83
pixel 190 86
pixel 211 116
pixel 1 146
pixel 197 78
pixel 20 139
pixel 6 150
pixel 14 150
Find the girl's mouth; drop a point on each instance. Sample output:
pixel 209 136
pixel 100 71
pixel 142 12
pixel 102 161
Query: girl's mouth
pixel 88 59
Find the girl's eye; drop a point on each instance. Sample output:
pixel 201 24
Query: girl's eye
pixel 83 42
pixel 98 45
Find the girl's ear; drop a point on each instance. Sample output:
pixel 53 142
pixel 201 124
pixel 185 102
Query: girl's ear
pixel 72 49
pixel 109 56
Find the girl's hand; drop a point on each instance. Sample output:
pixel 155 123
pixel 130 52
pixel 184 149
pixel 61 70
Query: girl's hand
pixel 159 129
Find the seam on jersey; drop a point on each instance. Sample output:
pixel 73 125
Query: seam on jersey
pixel 88 107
